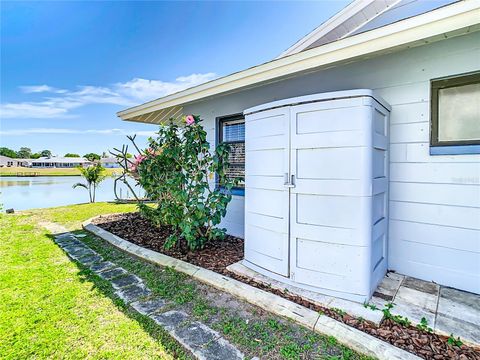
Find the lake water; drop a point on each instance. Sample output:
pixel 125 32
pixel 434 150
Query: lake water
pixel 21 193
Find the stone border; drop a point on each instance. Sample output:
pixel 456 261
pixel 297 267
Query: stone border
pixel 202 341
pixel 348 336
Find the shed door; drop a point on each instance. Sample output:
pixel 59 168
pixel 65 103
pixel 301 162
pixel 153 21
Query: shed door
pixel 327 160
pixel 267 198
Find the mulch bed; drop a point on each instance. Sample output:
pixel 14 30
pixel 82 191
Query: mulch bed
pixel 134 228
pixel 218 255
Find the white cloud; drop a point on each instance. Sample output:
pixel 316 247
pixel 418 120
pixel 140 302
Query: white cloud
pixel 41 110
pixel 41 88
pixel 144 90
pixel 32 131
pixel 60 102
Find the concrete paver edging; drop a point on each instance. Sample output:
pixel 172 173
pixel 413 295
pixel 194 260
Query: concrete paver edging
pixel 349 336
pixel 202 341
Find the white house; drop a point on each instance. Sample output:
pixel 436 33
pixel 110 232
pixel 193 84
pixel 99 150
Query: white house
pixel 59 162
pixel 408 73
pixel 110 162
pixel 10 162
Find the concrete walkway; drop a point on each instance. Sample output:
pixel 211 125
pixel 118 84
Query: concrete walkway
pixel 446 310
pixel 201 340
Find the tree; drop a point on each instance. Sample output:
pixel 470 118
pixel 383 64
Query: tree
pixel 8 152
pixel 93 175
pixel 175 173
pixel 72 155
pixel 35 156
pixel 24 153
pixel 92 156
pixel 46 153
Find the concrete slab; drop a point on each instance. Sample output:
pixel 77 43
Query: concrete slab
pixel 53 227
pixel 456 310
pixel 112 273
pixel 78 252
pixel 413 313
pixel 147 307
pixel 421 285
pixel 170 319
pixel 71 247
pixel 195 334
pixel 388 287
pixel 468 332
pixel 133 293
pixel 357 310
pixel 90 259
pixel 101 266
pixel 65 239
pixel 221 349
pixel 378 302
pixel 459 306
pixel 68 246
pixel 124 281
pixel 204 342
pixel 395 276
pixel 415 298
pixel 472 301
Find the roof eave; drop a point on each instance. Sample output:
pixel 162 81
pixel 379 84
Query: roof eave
pixel 463 15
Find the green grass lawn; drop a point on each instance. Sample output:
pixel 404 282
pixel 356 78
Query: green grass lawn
pixel 49 308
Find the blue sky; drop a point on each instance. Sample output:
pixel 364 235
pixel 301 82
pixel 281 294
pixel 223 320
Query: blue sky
pixel 68 67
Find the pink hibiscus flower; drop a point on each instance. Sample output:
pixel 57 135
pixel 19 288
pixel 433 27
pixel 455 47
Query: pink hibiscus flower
pixel 189 119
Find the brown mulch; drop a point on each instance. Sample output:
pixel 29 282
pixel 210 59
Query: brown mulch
pixel 218 255
pixel 134 228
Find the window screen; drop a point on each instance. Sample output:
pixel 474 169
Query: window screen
pixel 232 131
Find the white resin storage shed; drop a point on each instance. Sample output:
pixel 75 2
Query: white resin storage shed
pixel 316 189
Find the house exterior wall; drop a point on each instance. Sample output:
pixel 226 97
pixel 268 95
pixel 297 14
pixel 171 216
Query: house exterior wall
pixel 434 226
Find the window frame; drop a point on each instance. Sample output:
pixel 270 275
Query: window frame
pixel 435 86
pixel 219 121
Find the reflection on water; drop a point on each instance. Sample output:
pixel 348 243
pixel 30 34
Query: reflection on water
pixel 22 193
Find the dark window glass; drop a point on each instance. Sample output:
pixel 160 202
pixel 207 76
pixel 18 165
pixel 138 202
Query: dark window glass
pixel 232 131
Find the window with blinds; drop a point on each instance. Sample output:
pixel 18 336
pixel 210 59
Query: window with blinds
pixel 232 131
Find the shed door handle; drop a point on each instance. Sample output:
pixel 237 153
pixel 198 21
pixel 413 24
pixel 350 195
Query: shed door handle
pixel 289 181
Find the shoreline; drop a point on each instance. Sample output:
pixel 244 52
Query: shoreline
pixel 30 172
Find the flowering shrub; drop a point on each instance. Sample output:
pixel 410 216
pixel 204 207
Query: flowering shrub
pixel 175 171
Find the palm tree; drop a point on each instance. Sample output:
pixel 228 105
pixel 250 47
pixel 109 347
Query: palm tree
pixel 94 175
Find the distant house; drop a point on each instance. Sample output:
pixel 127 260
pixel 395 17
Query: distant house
pixel 9 162
pixel 59 162
pixel 110 162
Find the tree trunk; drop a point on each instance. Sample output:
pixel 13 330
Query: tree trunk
pixel 90 192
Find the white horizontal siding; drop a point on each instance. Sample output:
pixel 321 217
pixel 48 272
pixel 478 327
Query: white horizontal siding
pixel 436 214
pixel 435 200
pixel 419 153
pixel 428 193
pixel 436 173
